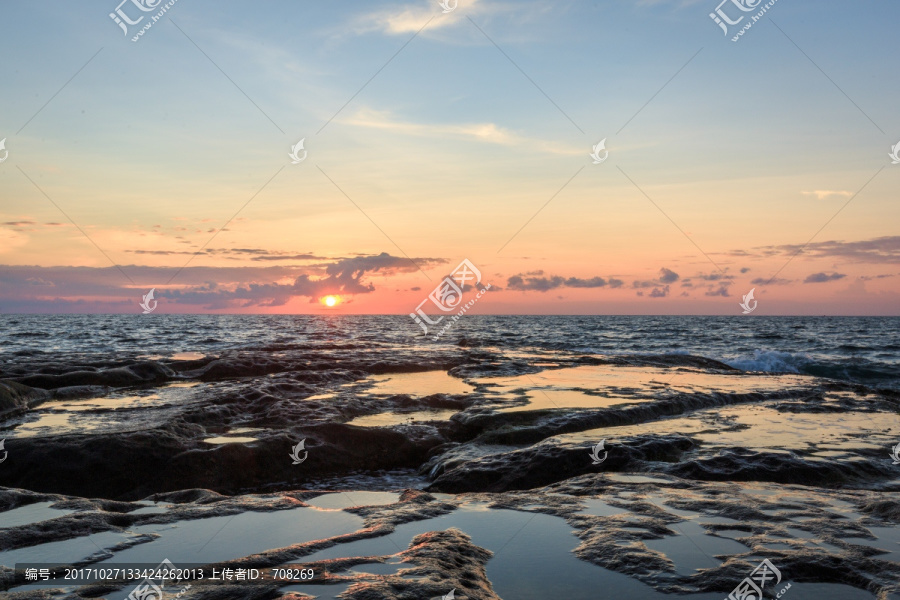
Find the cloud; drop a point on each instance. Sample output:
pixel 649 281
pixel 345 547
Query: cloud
pixel 18 223
pixel 666 276
pixel 347 272
pixel 207 287
pixel 394 20
pixel 880 250
pixel 714 276
pixel 490 133
pixel 823 277
pixel 545 284
pixel 873 277
pixel 776 281
pixel 722 290
pixel 660 292
pixel 822 194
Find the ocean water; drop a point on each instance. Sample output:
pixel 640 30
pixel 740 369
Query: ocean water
pixel 858 349
pixel 283 378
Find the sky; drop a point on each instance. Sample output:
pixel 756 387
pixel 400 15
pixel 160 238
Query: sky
pixel 430 137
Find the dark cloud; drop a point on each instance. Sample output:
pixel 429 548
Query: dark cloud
pixel 660 292
pixel 645 283
pixel 871 277
pixel 776 281
pixel 534 284
pixel 878 250
pixel 823 277
pixel 347 272
pixel 257 254
pixel 289 257
pixel 714 276
pixel 745 270
pixel 545 284
pixel 667 275
pixel 722 290
pixel 206 287
pixel 593 282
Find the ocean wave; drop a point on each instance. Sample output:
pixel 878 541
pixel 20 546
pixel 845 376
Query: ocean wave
pixel 771 361
pixel 855 370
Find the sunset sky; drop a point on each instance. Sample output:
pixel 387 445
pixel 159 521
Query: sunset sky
pixel 164 163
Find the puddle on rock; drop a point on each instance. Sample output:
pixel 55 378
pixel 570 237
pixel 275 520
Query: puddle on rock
pixel 341 500
pixel 31 513
pixel 599 508
pixel 49 423
pixel 228 537
pixel 230 440
pixel 64 552
pixel 540 564
pixel 232 436
pixel 390 419
pixel 760 428
pixel 424 383
pixel 113 413
pixel 188 356
pixel 693 548
pixel 548 398
pixel 612 385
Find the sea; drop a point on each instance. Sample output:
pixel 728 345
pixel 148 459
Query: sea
pixel 864 350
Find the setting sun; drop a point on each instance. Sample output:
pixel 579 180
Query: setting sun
pixel 331 301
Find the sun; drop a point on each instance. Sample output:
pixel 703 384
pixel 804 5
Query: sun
pixel 331 301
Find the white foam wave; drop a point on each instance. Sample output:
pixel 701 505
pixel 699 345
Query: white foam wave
pixel 770 361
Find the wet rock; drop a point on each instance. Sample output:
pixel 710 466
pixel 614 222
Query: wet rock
pixel 134 465
pixel 550 462
pixel 444 560
pixel 889 510
pixel 741 464
pixel 75 392
pixel 16 398
pixel 135 374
